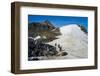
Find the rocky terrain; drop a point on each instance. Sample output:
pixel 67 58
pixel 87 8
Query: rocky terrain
pixel 66 42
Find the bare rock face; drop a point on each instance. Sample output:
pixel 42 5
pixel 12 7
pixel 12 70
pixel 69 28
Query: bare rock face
pixel 83 28
pixel 37 49
pixel 45 28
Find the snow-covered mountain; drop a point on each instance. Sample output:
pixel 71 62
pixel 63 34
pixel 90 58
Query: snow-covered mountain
pixel 73 40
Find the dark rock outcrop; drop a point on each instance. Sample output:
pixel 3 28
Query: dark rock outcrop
pixel 37 48
pixel 83 29
pixel 45 28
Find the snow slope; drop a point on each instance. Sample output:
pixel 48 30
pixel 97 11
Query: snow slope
pixel 73 40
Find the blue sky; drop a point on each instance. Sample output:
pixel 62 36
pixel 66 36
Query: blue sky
pixel 59 21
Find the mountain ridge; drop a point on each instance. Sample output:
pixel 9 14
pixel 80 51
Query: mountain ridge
pixel 73 40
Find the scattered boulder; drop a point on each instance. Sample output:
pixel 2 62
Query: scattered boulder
pixel 64 53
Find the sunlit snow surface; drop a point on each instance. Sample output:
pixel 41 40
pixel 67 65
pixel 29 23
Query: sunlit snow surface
pixel 73 40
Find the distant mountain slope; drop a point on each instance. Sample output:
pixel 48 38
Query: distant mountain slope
pixel 73 40
pixel 43 29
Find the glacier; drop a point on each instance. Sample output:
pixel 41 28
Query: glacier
pixel 73 41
